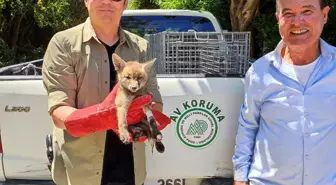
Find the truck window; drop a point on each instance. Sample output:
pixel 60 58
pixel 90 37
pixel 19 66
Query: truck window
pixel 142 25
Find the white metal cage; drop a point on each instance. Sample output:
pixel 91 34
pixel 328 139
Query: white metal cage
pixel 208 53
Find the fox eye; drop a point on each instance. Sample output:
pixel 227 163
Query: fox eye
pixel 128 77
pixel 140 77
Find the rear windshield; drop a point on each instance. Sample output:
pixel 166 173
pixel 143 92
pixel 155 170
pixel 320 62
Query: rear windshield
pixel 142 25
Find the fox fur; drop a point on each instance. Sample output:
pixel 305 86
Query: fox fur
pixel 133 78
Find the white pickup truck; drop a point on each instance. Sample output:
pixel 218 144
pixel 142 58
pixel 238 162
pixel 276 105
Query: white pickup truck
pixel 202 91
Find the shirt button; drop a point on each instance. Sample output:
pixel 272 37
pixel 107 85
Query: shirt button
pixel 105 61
pixel 105 82
pixel 307 135
pixel 100 151
pixel 97 173
pixel 306 156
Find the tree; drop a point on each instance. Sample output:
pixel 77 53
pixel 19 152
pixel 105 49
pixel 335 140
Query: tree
pixel 144 4
pixel 242 13
pixel 26 26
pixel 219 8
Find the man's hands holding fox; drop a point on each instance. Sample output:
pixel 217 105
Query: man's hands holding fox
pixel 103 116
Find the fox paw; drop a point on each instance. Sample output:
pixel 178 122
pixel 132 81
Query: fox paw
pixel 125 137
pixel 160 147
pixel 136 132
pixel 159 137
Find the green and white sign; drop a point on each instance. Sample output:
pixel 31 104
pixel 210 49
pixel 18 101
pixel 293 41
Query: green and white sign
pixel 197 122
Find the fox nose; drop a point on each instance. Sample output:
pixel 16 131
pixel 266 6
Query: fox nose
pixel 133 88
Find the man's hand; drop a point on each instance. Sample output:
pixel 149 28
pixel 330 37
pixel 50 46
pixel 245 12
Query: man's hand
pixel 158 107
pixel 240 183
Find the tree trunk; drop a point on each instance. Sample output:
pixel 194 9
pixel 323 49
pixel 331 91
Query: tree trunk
pixel 242 14
pixel 16 31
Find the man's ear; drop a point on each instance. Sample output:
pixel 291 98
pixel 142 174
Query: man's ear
pixel 325 13
pixel 148 65
pixel 277 16
pixel 118 62
pixel 86 3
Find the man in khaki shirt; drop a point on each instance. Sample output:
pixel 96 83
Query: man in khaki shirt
pixel 78 73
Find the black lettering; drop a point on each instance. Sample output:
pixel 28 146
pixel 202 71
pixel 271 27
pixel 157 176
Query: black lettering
pixel 216 111
pixel 220 118
pixel 17 109
pixel 178 112
pixel 185 105
pixel 169 182
pixel 161 182
pixel 208 106
pixel 177 182
pixel 202 102
pixel 194 103
pixel 173 118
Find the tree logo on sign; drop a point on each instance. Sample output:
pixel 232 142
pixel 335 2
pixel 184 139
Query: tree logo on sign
pixel 197 123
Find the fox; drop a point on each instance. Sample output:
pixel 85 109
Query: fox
pixel 133 79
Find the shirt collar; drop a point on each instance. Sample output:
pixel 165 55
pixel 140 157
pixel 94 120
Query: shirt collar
pixel 88 33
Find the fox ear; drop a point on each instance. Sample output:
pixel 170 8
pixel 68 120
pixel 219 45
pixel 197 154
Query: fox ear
pixel 118 62
pixel 148 65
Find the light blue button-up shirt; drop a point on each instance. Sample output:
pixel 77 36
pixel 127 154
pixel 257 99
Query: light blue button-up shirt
pixel 287 131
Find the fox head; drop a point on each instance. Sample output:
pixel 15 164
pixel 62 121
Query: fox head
pixel 132 75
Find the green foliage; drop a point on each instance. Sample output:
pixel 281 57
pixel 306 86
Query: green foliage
pixel 267 35
pixel 26 26
pixel 329 32
pixel 6 54
pixel 144 4
pixel 219 8
pixel 52 13
pixel 59 14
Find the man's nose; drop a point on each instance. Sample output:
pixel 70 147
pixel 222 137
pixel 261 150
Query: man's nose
pixel 297 19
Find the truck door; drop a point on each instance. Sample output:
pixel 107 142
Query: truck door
pixel 24 125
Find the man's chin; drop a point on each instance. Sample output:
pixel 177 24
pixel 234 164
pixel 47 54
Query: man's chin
pixel 298 44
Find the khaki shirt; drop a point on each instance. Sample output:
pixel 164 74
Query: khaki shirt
pixel 76 73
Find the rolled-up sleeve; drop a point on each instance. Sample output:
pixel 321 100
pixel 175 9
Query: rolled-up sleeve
pixel 247 129
pixel 152 77
pixel 153 86
pixel 58 74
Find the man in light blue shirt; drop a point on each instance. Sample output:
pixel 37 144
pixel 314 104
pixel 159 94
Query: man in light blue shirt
pixel 287 124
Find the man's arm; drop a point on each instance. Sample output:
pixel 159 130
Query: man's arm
pixel 153 87
pixel 152 79
pixel 59 80
pixel 247 129
pixel 60 114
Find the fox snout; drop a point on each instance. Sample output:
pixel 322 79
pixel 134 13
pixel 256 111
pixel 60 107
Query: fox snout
pixel 133 88
pixel 133 85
